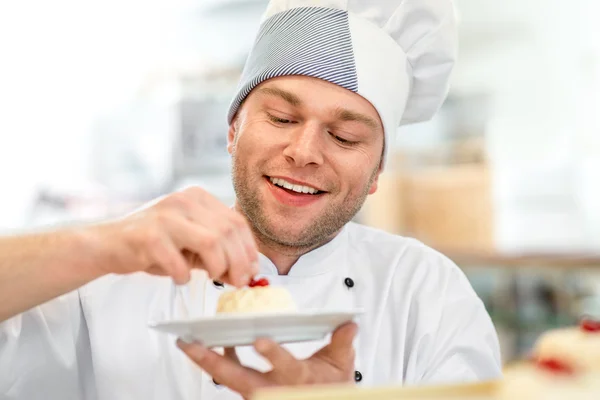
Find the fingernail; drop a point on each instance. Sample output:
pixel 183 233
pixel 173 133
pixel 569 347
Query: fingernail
pixel 255 267
pixel 245 279
pixel 262 345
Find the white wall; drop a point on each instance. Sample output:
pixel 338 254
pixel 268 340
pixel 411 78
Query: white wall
pixel 543 136
pixel 65 63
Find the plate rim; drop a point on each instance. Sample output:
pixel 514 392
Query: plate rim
pixel 259 316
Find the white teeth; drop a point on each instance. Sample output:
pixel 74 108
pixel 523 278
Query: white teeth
pixel 290 186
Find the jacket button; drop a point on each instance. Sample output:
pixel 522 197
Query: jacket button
pixel 349 282
pixel 357 376
pixel 218 284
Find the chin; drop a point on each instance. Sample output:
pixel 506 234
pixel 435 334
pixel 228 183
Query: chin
pixel 283 231
pixel 287 233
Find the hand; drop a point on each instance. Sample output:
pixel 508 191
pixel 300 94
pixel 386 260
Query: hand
pixel 334 363
pixel 184 230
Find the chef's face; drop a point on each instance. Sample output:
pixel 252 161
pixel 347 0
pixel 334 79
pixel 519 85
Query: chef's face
pixel 306 153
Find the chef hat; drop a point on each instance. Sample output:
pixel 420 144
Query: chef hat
pixel 397 54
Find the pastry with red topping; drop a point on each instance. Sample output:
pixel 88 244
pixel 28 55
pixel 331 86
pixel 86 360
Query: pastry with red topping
pixel 258 297
pixel 577 346
pixel 549 379
pixel 565 365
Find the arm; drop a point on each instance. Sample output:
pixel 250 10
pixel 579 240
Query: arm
pixel 188 229
pixel 38 267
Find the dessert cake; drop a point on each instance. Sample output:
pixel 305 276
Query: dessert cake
pixel 576 346
pixel 258 297
pixel 565 365
pixel 549 380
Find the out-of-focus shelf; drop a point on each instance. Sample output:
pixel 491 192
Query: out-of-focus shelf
pixel 559 260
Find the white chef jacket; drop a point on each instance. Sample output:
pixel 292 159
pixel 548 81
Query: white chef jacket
pixel 423 324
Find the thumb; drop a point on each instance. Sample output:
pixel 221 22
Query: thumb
pixel 340 348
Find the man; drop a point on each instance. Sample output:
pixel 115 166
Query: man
pixel 324 88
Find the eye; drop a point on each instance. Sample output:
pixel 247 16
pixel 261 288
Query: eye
pixel 278 120
pixel 343 141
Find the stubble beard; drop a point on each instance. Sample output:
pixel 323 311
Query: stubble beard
pixel 318 232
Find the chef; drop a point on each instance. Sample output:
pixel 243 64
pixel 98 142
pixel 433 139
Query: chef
pixel 323 91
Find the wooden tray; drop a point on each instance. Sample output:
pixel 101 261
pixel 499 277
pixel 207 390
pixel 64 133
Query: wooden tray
pixel 475 391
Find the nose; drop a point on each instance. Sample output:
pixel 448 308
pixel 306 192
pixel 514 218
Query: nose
pixel 305 146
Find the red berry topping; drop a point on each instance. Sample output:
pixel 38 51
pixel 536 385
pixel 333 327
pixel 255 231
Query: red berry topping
pixel 556 366
pixel 259 282
pixel 589 325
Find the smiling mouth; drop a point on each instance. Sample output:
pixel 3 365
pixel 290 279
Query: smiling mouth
pixel 294 188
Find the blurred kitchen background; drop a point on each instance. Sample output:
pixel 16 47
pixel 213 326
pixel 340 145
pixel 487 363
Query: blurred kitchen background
pixel 107 104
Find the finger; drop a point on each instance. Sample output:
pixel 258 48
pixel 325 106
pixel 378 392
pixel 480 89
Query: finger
pixel 248 240
pixel 167 256
pixel 238 264
pixel 240 249
pixel 199 240
pixel 340 349
pixel 279 357
pixel 286 368
pixel 251 250
pixel 229 226
pixel 230 353
pixel 224 370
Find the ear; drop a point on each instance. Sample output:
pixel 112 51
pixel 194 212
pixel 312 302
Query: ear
pixel 373 187
pixel 231 135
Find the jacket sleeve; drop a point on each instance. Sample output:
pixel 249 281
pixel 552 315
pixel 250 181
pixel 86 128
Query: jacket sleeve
pixel 45 352
pixel 454 339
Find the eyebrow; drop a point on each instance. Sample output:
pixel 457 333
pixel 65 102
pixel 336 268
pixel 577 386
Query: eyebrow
pixel 285 95
pixel 347 115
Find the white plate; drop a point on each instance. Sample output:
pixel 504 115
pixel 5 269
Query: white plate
pixel 225 330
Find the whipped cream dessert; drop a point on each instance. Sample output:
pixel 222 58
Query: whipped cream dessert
pixel 258 297
pixel 576 346
pixel 549 380
pixel 565 365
